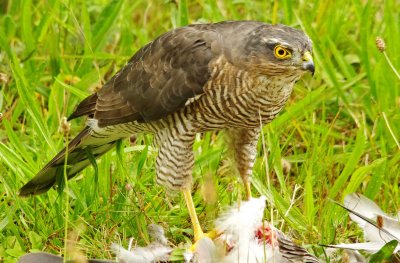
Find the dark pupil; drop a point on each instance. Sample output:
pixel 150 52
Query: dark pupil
pixel 281 52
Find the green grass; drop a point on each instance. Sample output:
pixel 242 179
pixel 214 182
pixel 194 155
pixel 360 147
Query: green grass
pixel 338 132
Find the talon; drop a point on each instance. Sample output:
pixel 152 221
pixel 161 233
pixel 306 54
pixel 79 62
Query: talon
pixel 197 231
pixel 213 234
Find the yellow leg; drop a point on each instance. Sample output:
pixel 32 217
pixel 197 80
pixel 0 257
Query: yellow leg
pixel 247 188
pixel 198 233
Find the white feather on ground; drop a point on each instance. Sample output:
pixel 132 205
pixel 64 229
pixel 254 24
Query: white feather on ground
pixel 158 250
pixel 141 254
pixel 379 228
pixel 361 205
pixel 239 227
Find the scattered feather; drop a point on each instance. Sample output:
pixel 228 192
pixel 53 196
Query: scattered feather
pixel 379 228
pixel 206 251
pixel 156 251
pixel 157 234
pixel 149 254
pixel 352 256
pixel 371 247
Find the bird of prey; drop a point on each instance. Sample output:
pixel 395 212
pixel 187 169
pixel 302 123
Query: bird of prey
pixel 231 76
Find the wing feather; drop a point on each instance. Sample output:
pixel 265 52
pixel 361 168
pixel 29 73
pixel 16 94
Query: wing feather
pixel 158 79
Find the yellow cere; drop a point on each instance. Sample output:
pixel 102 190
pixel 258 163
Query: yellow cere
pixel 307 56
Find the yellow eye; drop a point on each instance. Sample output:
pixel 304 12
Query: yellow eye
pixel 281 52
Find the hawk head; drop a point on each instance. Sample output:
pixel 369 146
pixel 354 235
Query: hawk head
pixel 275 50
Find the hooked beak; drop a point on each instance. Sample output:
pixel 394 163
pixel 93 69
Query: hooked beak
pixel 308 63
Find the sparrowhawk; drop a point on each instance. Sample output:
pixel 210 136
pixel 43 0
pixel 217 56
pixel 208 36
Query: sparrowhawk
pixel 229 76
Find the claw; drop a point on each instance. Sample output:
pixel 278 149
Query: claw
pixel 213 234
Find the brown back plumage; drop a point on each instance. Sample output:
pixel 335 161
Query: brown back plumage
pixel 158 79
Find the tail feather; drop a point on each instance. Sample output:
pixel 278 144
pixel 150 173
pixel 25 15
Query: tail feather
pixel 77 160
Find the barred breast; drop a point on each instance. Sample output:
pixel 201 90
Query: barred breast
pixel 233 98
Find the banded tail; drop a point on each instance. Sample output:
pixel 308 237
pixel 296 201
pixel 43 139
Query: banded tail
pixel 77 161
